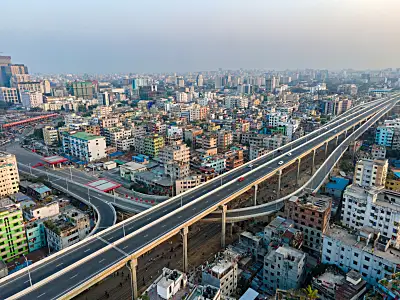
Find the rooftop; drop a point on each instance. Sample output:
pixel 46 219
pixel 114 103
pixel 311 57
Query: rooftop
pixel 319 203
pixel 104 185
pixel 86 136
pixel 350 238
pixel 337 183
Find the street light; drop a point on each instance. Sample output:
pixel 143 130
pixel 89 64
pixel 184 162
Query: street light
pixel 70 171
pixel 30 168
pixel 29 272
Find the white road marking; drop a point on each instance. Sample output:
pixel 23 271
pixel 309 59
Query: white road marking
pixel 59 265
pixel 40 295
pixel 148 219
pixel 110 238
pixel 73 276
pixel 163 225
pixel 26 281
pixel 194 209
pixel 125 247
pixel 165 210
pixel 146 235
pixel 86 250
pixel 179 217
pixel 102 260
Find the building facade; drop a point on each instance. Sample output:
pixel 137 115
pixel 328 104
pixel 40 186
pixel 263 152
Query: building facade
pixel 84 146
pixel 9 183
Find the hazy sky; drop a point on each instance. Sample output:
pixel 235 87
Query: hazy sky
pixel 105 36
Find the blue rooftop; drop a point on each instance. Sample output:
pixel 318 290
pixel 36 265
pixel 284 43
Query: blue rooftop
pixel 40 188
pixel 338 183
pixel 397 174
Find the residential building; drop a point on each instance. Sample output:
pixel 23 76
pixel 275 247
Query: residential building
pixel 311 215
pixel 50 135
pixel 369 172
pixel 170 283
pixel 393 184
pixel 374 207
pixel 207 292
pixel 126 144
pixel 67 229
pixel 109 122
pixel 115 134
pixel 8 174
pixel 128 170
pixel 42 210
pixel 177 152
pixel 256 152
pixel 12 232
pixel 332 285
pixel 222 273
pixel 35 235
pixel 153 144
pixel 84 146
pixel 378 152
pixel 177 170
pixel 281 231
pixel 336 187
pixel 187 183
pixel 191 134
pixel 224 140
pixel 384 136
pixel 233 159
pixel 206 141
pixel 9 95
pixel 31 99
pixel 253 244
pixel 37 190
pixel 366 252
pixel 284 268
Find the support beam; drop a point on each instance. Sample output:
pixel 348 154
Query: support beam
pixel 298 172
pixel 231 229
pixel 255 194
pixel 223 230
pixel 345 134
pixel 326 149
pixel 184 233
pixel 278 191
pixel 313 163
pixel 336 142
pixel 134 285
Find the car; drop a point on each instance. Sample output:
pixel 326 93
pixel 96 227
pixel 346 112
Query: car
pixel 250 166
pixel 289 154
pixel 280 163
pixel 241 179
pixel 39 164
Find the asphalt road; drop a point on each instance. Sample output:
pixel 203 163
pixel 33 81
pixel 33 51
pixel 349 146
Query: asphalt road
pixel 67 281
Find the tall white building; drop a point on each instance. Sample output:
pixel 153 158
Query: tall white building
pixel 284 268
pixel 9 95
pixel 366 252
pixel 373 207
pixel 9 183
pixel 84 146
pixel 181 97
pixel 31 99
pixel 369 172
pixel 178 152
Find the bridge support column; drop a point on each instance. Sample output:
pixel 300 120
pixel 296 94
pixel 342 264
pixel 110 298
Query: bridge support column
pixel 184 233
pixel 133 266
pixel 336 142
pixel 231 229
pixel 255 194
pixel 313 163
pixel 298 172
pixel 345 134
pixel 326 149
pixel 223 229
pixel 278 191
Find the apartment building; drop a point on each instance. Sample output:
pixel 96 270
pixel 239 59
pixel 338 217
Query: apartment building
pixel 115 134
pixel 256 152
pixel 224 140
pixel 50 135
pixel 126 144
pixel 284 268
pixel 393 185
pixel 35 235
pixel 311 215
pixel 206 141
pixel 31 99
pixel 374 207
pixel 81 89
pixel 190 135
pixel 42 210
pixel 233 159
pixel 366 252
pixel 12 232
pixel 369 172
pixel 9 95
pixel 187 183
pixel 281 231
pixel 177 152
pixel 153 144
pixel 388 134
pixel 222 273
pixel 109 122
pixel 8 174
pixel 177 169
pixel 378 152
pixel 84 146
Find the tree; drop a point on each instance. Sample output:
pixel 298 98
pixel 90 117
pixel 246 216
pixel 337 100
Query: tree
pixel 310 293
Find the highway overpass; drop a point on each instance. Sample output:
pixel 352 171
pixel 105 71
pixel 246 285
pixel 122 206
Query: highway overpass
pixel 68 272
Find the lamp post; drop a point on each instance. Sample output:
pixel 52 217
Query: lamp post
pixel 29 272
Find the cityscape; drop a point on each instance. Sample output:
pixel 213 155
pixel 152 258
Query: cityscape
pixel 242 183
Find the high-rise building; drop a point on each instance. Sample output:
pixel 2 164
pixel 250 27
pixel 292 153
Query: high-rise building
pixel 270 84
pixel 9 95
pixel 31 99
pixel 199 80
pixel 13 237
pixel 9 174
pixel 50 135
pixel 104 98
pixel 178 152
pixel 153 144
pixel 369 172
pixel 81 89
pixel 5 60
pixel 7 72
pixel 84 146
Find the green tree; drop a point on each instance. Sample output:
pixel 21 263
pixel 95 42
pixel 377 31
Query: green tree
pixel 310 293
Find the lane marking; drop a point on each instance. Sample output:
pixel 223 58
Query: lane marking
pixel 40 295
pixel 73 276
pixel 102 260
pixel 59 265
pixel 163 225
pixel 110 238
pixel 146 235
pixel 86 250
pixel 26 281
pixel 125 247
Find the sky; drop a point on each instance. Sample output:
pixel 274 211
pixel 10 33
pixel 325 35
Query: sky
pixel 144 36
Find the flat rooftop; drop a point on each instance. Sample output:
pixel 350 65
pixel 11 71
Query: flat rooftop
pixel 104 185
pixel 350 239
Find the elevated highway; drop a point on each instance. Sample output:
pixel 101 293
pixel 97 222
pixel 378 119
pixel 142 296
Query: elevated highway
pixel 73 270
